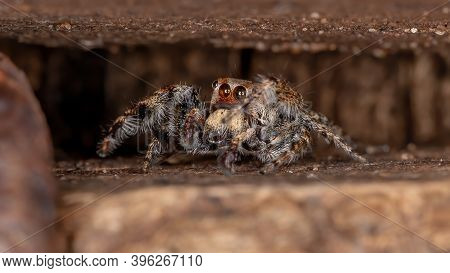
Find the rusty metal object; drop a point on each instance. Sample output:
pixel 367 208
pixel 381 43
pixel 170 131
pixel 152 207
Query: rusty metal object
pixel 27 187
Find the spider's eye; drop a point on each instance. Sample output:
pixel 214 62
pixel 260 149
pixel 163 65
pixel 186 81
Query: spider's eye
pixel 224 90
pixel 215 84
pixel 240 92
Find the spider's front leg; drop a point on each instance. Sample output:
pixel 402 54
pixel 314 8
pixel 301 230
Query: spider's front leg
pixel 292 141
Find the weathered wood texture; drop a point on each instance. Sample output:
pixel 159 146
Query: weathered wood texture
pixel 312 206
pixel 277 25
pixel 395 92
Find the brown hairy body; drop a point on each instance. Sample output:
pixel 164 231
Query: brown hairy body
pixel 265 119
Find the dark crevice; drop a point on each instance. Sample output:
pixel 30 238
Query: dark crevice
pixel 441 71
pixel 70 239
pixel 246 62
pixel 409 136
pixel 80 93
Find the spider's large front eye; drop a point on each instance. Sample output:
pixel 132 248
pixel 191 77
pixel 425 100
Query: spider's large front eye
pixel 215 84
pixel 224 90
pixel 240 92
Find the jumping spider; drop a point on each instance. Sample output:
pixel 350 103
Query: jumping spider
pixel 265 119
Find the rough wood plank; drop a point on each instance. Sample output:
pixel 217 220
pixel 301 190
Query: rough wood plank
pixel 306 207
pixel 264 25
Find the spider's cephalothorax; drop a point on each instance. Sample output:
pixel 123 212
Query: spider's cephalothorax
pixel 265 119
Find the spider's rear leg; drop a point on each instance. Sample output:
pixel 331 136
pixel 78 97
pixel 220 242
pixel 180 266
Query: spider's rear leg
pixel 189 139
pixel 330 135
pixel 123 127
pixel 158 113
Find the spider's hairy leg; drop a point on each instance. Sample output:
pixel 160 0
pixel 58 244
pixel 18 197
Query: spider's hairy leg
pixel 158 114
pixel 123 127
pixel 191 133
pixel 322 119
pixel 156 152
pixel 290 104
pixel 292 142
pixel 230 154
pixel 331 136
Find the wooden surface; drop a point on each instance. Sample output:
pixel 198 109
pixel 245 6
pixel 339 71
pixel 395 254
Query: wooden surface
pixel 285 25
pixel 312 206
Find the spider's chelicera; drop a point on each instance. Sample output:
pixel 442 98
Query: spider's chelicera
pixel 265 119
